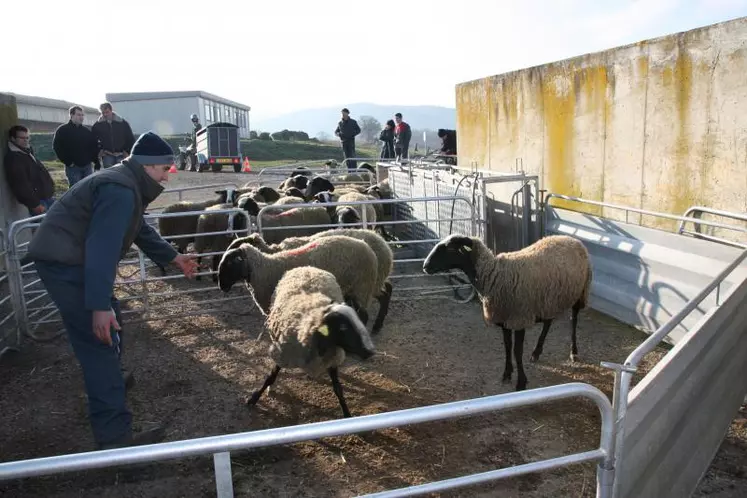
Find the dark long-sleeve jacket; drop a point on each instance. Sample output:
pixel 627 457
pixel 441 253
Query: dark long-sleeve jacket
pixel 75 145
pixel 27 177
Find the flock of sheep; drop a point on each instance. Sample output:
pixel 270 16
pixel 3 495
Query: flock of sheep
pixel 315 284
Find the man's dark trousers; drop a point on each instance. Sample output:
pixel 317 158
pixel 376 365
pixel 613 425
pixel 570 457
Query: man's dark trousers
pixel 110 418
pixel 348 150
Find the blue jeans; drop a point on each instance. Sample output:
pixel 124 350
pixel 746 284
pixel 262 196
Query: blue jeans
pixel 109 161
pixel 77 173
pixel 109 416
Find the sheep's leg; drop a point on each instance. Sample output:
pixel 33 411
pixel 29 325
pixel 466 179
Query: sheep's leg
pixel 337 387
pixel 574 323
pixel 199 262
pixel 521 380
pixel 359 310
pixel 541 341
pixel 216 261
pixel 268 382
pixel 509 367
pixel 383 299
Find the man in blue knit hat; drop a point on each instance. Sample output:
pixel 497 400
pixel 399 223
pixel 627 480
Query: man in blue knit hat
pixel 76 250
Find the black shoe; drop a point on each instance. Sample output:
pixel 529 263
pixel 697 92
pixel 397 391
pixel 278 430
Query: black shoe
pixel 150 436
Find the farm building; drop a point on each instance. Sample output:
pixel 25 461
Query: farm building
pixel 167 113
pixel 41 114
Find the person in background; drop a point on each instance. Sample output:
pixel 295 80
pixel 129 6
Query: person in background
pixel 347 129
pixel 76 147
pixel 387 138
pixel 448 145
pixel 402 136
pixel 28 179
pixel 76 250
pixel 114 135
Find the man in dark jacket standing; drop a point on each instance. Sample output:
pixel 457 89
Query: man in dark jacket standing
pixel 402 137
pixel 347 129
pixel 76 250
pixel 28 179
pixel 114 135
pixel 76 147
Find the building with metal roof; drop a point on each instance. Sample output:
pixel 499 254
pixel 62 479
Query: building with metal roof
pixel 41 114
pixel 167 113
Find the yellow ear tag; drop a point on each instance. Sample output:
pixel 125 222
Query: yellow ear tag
pixel 324 330
pixel 467 248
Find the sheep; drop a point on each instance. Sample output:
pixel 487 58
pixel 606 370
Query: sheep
pixel 318 184
pixel 521 288
pixel 312 329
pixel 294 192
pixel 289 200
pixel 381 249
pixel 344 214
pixel 262 194
pixel 294 217
pixel 298 181
pixel 216 222
pixel 351 261
pixel 187 225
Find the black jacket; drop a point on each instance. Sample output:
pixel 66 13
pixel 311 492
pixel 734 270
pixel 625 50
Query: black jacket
pixel 347 129
pixel 75 145
pixel 27 177
pixel 115 136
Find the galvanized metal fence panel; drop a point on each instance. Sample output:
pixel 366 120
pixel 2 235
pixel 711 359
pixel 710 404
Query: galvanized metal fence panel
pixel 643 276
pixel 220 446
pixel 678 414
pixel 10 338
pixel 408 280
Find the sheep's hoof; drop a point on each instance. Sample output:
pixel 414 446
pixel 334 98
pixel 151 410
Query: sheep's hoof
pixel 506 377
pixel 252 400
pixel 521 385
pixel 575 358
pixel 535 357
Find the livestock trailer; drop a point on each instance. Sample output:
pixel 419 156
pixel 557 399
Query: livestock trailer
pixel 217 145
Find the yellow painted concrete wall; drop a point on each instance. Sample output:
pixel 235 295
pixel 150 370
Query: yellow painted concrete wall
pixel 659 125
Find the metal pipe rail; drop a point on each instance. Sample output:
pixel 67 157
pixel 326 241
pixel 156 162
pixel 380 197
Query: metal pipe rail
pixel 624 372
pixel 221 446
pixel 319 171
pixel 644 212
pixel 694 212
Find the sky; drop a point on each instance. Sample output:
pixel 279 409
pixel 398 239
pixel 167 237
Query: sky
pixel 294 55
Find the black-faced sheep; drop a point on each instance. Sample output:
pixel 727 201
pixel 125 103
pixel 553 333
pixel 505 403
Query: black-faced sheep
pixel 208 223
pixel 521 288
pixel 312 329
pixel 300 221
pixel 298 181
pixel 318 184
pixel 294 192
pixel 381 249
pixel 351 261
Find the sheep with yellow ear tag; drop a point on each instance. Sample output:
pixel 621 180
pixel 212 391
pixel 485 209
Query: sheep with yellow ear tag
pixel 312 328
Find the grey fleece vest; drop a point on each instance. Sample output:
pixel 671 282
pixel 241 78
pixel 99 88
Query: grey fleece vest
pixel 61 237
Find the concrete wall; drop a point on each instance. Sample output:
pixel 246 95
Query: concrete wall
pixel 658 125
pixel 10 209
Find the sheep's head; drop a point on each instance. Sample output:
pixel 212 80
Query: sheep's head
pixel 301 170
pixel 374 191
pixel 453 252
pixel 294 192
pixel 318 184
pixel 268 194
pixel 342 328
pixel 345 215
pixel 299 181
pixel 227 195
pixel 233 267
pixel 249 205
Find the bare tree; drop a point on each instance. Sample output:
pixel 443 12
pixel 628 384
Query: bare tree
pixel 370 128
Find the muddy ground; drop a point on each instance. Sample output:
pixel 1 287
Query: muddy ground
pixel 194 374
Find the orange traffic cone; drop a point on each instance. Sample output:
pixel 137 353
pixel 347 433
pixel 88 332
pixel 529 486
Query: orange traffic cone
pixel 247 167
pixel 173 169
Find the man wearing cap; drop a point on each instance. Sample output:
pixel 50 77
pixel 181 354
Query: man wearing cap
pixel 347 129
pixel 76 250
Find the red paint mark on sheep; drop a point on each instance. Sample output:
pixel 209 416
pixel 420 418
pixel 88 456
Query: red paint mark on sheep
pixel 302 249
pixel 285 213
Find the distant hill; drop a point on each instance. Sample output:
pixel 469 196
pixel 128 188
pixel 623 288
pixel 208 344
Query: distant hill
pixel 315 121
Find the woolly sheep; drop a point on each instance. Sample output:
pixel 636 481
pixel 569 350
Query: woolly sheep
pixel 294 217
pixel 294 192
pixel 351 261
pixel 298 181
pixel 216 222
pixel 262 194
pixel 345 214
pixel 381 249
pixel 187 225
pixel 312 329
pixel 318 184
pixel 521 288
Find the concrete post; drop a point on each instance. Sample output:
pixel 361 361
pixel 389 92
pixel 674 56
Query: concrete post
pixel 10 209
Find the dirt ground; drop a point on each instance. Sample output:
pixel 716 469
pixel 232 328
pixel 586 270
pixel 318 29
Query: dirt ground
pixel 194 374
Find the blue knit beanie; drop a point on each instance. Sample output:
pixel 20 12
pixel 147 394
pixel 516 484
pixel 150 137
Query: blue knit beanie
pixel 152 149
